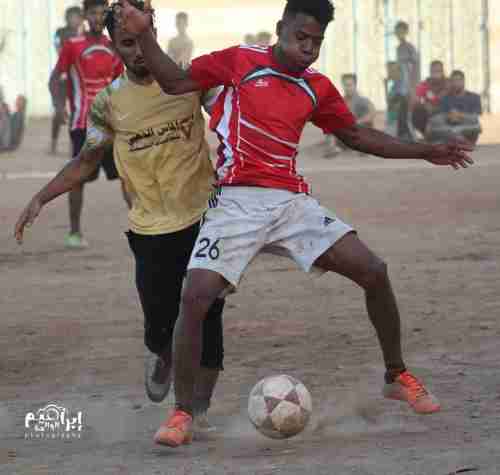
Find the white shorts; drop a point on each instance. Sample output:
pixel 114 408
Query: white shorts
pixel 243 221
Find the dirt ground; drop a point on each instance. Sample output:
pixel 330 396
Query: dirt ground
pixel 71 331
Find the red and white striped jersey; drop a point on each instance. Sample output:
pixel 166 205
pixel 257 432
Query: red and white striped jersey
pixel 260 115
pixel 90 64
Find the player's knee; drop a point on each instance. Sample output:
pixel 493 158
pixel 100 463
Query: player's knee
pixel 376 275
pixel 196 302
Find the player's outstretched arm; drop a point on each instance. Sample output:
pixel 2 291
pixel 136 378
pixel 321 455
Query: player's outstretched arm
pixel 378 143
pixel 76 172
pixel 172 79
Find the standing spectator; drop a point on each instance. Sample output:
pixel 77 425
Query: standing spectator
pixel 459 114
pixel 409 63
pixel 264 38
pixel 361 107
pixel 73 28
pixel 393 97
pixel 428 96
pixel 250 39
pixel 180 48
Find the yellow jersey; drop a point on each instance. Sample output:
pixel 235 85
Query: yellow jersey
pixel 160 152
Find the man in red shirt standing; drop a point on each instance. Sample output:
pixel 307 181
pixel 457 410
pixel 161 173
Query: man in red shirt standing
pixel 74 27
pixel 90 64
pixel 263 204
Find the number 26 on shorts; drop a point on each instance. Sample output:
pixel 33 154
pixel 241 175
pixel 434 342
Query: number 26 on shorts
pixel 207 248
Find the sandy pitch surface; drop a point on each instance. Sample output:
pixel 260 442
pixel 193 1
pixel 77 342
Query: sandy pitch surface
pixel 71 331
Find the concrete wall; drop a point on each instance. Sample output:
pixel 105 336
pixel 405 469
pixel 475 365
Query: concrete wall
pixel 495 54
pixel 357 41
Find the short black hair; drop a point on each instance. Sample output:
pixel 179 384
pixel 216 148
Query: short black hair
pixel 182 15
pixel 350 76
pixel 72 11
pixel 88 4
pixel 458 73
pixel 437 62
pixel 402 25
pixel 110 21
pixel 322 11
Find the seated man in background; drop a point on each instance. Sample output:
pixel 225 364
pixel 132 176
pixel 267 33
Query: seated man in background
pixel 428 96
pixel 11 124
pixel 458 116
pixel 361 107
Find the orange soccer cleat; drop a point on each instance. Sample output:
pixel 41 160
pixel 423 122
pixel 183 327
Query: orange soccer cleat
pixel 407 387
pixel 176 430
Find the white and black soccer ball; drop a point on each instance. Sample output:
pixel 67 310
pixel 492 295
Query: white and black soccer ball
pixel 279 407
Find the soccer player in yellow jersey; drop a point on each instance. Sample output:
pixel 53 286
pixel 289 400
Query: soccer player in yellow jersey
pixel 163 160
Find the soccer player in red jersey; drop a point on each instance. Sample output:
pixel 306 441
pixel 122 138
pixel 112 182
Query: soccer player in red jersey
pixel 74 27
pixel 90 64
pixel 263 204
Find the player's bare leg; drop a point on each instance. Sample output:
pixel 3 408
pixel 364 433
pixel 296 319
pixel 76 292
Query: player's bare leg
pixel 205 384
pixel 75 239
pixel 201 290
pixel 351 258
pixel 56 127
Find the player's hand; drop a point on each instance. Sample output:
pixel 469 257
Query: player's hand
pixel 132 19
pixel 27 218
pixel 454 154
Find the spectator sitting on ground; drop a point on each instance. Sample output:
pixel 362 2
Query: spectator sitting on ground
pixel 428 96
pixel 264 39
pixel 361 107
pixel 459 114
pixel 11 125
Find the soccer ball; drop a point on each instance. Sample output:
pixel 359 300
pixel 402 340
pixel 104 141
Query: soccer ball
pixel 279 407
